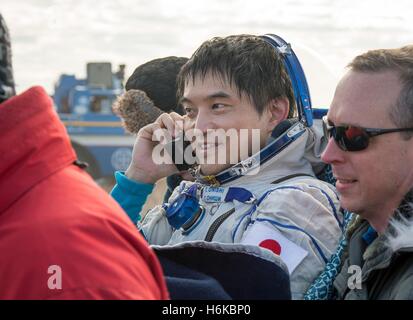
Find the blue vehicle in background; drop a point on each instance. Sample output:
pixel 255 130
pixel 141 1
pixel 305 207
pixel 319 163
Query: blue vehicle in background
pixel 85 108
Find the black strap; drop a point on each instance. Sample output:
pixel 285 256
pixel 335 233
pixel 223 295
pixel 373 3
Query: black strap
pixel 291 176
pixel 81 164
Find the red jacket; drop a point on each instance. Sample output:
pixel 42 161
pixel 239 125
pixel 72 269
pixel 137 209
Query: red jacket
pixel 53 214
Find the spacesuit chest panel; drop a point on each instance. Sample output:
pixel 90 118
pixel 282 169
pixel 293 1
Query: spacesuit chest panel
pixel 222 208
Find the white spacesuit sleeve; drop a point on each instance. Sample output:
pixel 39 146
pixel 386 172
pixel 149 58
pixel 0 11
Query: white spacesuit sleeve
pixel 155 225
pixel 156 228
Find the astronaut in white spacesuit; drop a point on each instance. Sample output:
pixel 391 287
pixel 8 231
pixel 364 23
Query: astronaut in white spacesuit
pixel 269 197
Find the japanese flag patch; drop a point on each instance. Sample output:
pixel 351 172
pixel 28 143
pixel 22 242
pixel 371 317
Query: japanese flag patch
pixel 267 236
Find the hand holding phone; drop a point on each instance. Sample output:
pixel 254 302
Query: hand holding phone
pixel 178 151
pixel 144 167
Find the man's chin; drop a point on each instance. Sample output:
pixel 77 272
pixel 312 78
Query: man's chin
pixel 349 204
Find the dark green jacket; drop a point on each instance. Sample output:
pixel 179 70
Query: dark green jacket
pixel 386 264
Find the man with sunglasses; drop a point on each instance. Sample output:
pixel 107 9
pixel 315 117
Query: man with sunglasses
pixel 370 149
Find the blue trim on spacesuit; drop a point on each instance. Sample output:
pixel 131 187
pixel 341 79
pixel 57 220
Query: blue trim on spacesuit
pixel 255 206
pixel 333 207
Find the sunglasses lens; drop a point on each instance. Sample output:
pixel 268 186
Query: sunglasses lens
pixel 353 138
pixel 348 138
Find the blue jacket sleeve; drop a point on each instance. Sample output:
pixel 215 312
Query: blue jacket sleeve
pixel 131 195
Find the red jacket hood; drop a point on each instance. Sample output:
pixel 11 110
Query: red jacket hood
pixel 33 144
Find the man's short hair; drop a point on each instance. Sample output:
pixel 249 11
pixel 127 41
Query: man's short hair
pixel 399 60
pixel 248 63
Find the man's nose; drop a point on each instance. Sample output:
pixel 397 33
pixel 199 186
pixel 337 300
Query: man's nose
pixel 204 122
pixel 332 153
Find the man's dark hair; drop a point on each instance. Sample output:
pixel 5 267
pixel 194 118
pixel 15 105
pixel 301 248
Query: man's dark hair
pixel 157 78
pixel 246 62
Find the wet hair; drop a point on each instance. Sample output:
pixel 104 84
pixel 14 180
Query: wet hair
pixel 248 63
pixel 399 60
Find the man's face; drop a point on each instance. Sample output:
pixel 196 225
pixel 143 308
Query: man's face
pixel 373 181
pixel 214 106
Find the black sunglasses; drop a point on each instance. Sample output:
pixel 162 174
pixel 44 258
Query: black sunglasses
pixel 351 138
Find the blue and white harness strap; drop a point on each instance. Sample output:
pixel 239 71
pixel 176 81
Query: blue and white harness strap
pixel 220 194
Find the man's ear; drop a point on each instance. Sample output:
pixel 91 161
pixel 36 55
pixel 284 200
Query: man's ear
pixel 278 111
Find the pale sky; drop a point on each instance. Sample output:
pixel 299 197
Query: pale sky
pixel 51 37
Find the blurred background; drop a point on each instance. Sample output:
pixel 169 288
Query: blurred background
pixel 51 37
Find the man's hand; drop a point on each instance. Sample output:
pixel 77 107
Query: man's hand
pixel 143 168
